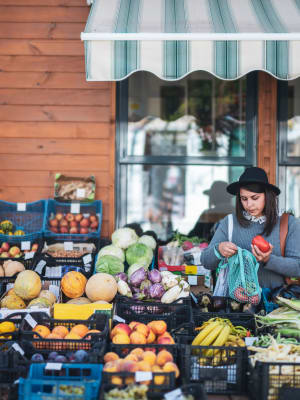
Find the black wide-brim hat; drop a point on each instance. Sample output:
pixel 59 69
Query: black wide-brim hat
pixel 249 176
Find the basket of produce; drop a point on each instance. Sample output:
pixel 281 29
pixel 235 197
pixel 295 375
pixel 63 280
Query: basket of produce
pixel 9 327
pixel 22 251
pixel 274 371
pixel 58 334
pixel 216 357
pixel 73 221
pixel 68 188
pixel 22 221
pixel 66 381
pixel 205 302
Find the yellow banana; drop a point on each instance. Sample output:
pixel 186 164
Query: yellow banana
pixel 220 340
pixel 208 340
pixel 203 333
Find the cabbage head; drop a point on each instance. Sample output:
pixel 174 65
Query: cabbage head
pixel 112 250
pixel 148 241
pixel 109 264
pixel 124 237
pixel 139 253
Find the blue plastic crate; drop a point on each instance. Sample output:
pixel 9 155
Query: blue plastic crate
pixel 42 383
pixel 54 207
pixel 268 305
pixel 31 220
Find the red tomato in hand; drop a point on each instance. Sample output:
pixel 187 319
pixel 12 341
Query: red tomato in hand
pixel 261 243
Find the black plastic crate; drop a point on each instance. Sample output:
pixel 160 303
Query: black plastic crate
pixel 49 268
pixel 8 391
pixel 27 256
pixel 174 314
pixel 97 321
pixel 10 369
pixel 16 318
pixel 224 372
pixel 274 381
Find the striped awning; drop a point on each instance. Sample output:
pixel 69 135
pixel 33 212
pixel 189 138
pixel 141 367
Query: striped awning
pixel 172 38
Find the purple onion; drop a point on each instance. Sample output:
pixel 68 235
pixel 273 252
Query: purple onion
pixel 154 276
pixel 137 277
pixel 156 291
pixel 121 276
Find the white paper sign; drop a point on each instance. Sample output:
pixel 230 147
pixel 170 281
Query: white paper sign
pixel 25 245
pixel 86 215
pixel 53 272
pixel 250 340
pixel 87 259
pixel 54 289
pixel 119 319
pixel 9 286
pixel 53 366
pixel 143 376
pixel 21 206
pixel 192 280
pixel 29 255
pixel 18 348
pixel 68 246
pixel 32 322
pixel 80 193
pixel 174 395
pixel 40 266
pixel 75 208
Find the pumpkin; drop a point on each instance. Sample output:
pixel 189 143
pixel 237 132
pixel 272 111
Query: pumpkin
pixel 12 267
pixel 39 302
pixel 79 301
pixel 73 284
pixel 13 302
pixel 27 285
pixel 101 286
pixel 47 294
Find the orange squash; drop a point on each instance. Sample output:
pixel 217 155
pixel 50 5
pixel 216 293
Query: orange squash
pixel 73 284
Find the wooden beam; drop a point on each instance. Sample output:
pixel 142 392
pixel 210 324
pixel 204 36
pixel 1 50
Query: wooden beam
pixel 267 124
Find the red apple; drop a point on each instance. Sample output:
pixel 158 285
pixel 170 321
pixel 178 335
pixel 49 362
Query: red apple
pixel 78 217
pixel 63 222
pixel 84 223
pixel 93 218
pixel 64 229
pixel 94 225
pixel 4 255
pixel 84 230
pixel 14 250
pixel 54 229
pixel 73 224
pixel 5 246
pixel 53 222
pixel 73 229
pixel 59 216
pixel 70 217
pixel 34 247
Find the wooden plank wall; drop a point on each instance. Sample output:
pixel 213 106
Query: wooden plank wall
pixel 51 119
pixel 267 124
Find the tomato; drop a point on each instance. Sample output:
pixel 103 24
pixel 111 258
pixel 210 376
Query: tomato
pixel 254 299
pixel 261 243
pixel 240 294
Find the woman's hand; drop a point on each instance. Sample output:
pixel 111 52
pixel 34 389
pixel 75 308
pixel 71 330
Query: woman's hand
pixel 259 255
pixel 227 249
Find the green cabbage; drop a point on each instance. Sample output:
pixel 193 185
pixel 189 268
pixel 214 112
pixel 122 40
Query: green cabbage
pixel 112 250
pixel 148 241
pixel 139 253
pixel 124 237
pixel 109 264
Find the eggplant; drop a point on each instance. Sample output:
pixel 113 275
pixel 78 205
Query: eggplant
pixel 219 303
pixel 138 277
pixel 156 291
pixel 154 276
pixel 145 288
pixel 121 276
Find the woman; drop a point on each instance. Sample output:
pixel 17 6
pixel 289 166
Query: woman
pixel 257 214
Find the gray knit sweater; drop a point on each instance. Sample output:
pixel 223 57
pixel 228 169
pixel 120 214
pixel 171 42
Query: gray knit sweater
pixel 273 272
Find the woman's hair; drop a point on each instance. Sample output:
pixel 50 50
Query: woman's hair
pixel 270 211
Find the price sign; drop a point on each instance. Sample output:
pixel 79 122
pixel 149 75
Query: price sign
pixel 193 280
pixel 80 193
pixel 75 208
pixel 21 206
pixel 87 259
pixel 141 376
pixel 18 348
pixel 119 319
pixel 53 366
pixel 32 322
pixel 40 266
pixel 25 245
pixel 54 289
pixel 250 340
pixel 68 246
pixel 174 395
pixel 29 255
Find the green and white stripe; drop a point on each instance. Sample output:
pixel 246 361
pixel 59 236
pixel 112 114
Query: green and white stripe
pixel 172 38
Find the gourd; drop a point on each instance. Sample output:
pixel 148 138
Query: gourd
pixel 101 286
pixel 73 284
pixel 27 285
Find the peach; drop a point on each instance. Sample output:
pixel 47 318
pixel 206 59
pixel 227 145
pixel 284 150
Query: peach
pixel 116 380
pixel 121 328
pixel 72 336
pixel 42 330
pixel 60 330
pixel 142 328
pixel 149 357
pixel 132 357
pixel 165 339
pixel 144 366
pixel 151 337
pixel 53 336
pixel 163 357
pixel 158 327
pixel 89 337
pixel 133 324
pixel 111 366
pixel 121 338
pixel 110 356
pixel 158 379
pixel 171 367
pixel 137 338
pixel 138 352
pixel 14 251
pixel 80 329
pixel 129 366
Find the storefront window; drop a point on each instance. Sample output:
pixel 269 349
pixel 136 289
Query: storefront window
pixel 289 154
pixel 179 145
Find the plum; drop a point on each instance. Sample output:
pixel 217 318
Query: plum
pixel 52 356
pixel 37 357
pixel 81 356
pixel 60 359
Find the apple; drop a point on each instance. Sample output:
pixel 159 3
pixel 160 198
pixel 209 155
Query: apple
pixel 54 229
pixel 93 218
pixel 34 247
pixel 14 250
pixel 84 223
pixel 70 217
pixel 78 217
pixel 5 246
pixel 53 222
pixel 94 225
pixel 63 222
pixel 84 230
pixel 4 255
pixel 73 224
pixel 64 229
pixel 73 229
pixel 59 216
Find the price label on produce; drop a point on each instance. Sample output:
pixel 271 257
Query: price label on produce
pixel 68 246
pixel 21 206
pixel 118 319
pixel 25 245
pixel 174 395
pixel 193 280
pixel 141 376
pixel 75 208
pixel 87 259
pixel 18 348
pixel 53 272
pixel 54 289
pixel 29 255
pixel 40 266
pixel 250 340
pixel 54 366
pixel 80 193
pixel 32 322
pixel 9 286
